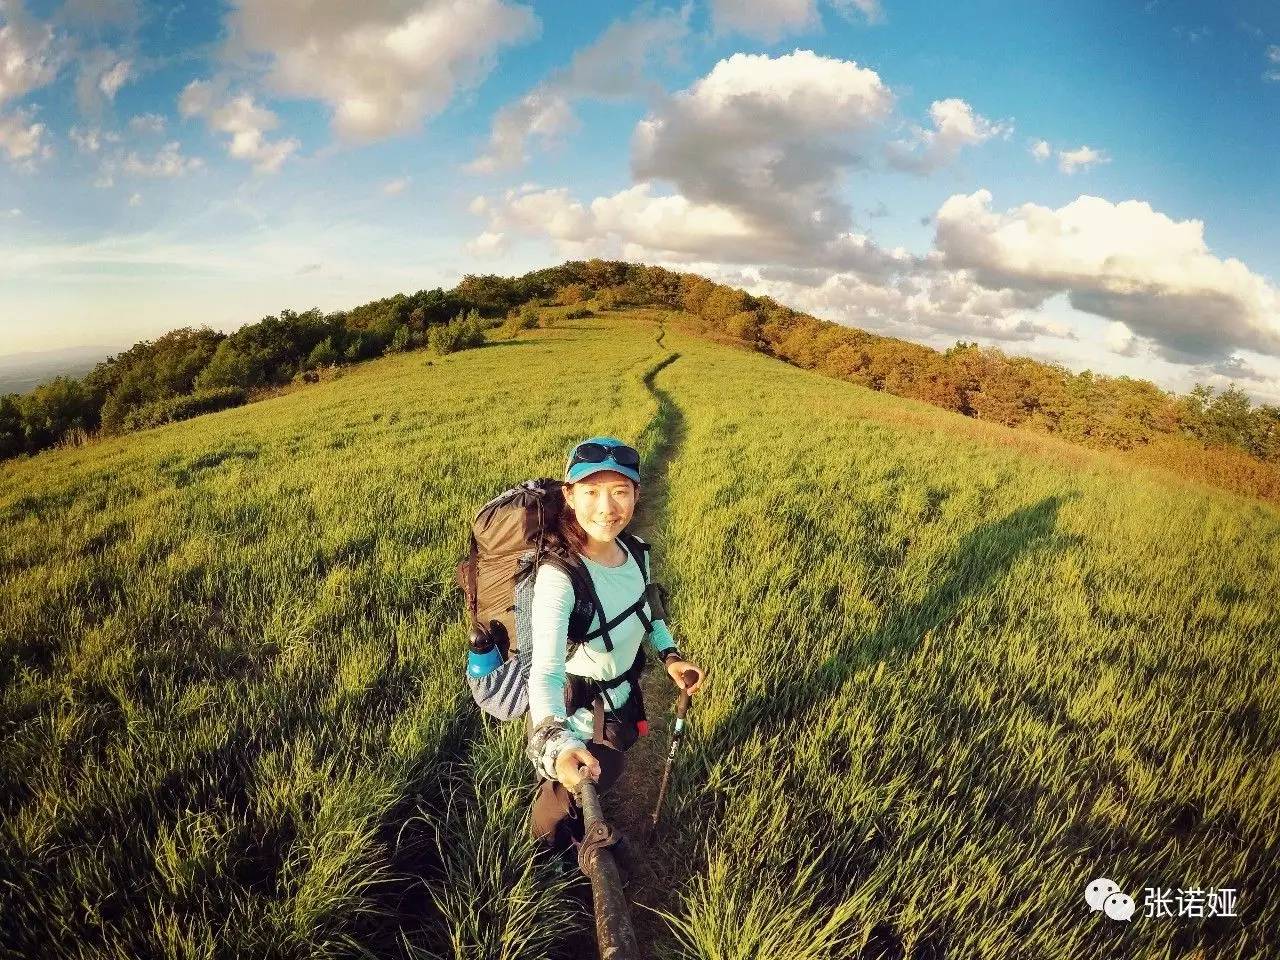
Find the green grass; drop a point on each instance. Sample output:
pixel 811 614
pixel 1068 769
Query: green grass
pixel 954 674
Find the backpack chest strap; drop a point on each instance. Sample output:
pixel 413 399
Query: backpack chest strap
pixel 638 550
pixel 638 608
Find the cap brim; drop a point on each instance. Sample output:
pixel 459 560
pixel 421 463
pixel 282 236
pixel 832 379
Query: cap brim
pixel 580 470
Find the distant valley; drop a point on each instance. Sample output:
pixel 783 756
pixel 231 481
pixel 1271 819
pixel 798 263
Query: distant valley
pixel 21 372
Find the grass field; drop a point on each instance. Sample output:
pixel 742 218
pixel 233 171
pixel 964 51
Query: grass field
pixel 954 675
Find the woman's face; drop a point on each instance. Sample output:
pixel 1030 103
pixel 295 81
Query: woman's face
pixel 603 504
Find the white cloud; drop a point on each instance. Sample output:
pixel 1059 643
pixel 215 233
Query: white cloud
pixel 1081 158
pixel 101 74
pixel 539 113
pixel 769 140
pixel 135 200
pixel 393 187
pixel 29 56
pixel 1120 339
pixel 1125 262
pixel 768 20
pixel 487 245
pixel 167 162
pixel 246 122
pixel 87 139
pixel 22 140
pixel 382 66
pixel 1258 376
pixel 870 9
pixel 918 307
pixel 147 123
pixel 611 67
pixel 113 79
pixel 636 223
pixel 771 20
pixel 1040 150
pixel 755 150
pixel 1273 58
pixel 955 126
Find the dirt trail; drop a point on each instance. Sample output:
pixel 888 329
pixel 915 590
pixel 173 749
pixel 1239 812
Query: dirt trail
pixel 630 803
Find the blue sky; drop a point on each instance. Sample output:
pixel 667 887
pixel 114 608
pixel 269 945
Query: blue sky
pixel 1088 183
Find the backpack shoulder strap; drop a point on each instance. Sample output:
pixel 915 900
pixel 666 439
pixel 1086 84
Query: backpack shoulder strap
pixel 584 595
pixel 639 549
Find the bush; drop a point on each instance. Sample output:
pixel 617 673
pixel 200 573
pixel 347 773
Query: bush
pixel 524 318
pixel 13 440
pixel 324 354
pixel 580 314
pixel 573 293
pixel 466 330
pixel 443 338
pixel 53 409
pixel 529 315
pixel 183 408
pixel 231 367
pixel 399 342
pixel 744 325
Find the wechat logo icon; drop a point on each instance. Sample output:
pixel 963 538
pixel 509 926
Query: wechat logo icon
pixel 1102 894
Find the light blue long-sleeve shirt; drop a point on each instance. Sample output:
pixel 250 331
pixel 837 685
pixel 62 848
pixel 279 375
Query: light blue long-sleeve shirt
pixel 553 599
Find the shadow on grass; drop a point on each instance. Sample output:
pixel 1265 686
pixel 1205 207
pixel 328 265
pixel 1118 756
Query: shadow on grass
pixel 984 558
pixel 490 344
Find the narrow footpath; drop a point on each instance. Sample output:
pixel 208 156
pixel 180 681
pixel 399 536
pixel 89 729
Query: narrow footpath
pixel 630 803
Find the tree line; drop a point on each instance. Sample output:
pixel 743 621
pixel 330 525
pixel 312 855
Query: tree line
pixel 193 370
pixel 187 371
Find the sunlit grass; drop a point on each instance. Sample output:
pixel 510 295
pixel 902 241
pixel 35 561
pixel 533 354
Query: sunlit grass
pixel 955 674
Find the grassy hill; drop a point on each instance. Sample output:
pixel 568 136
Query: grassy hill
pixel 955 673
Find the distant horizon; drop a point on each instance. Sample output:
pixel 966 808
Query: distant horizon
pixel 56 351
pixel 86 350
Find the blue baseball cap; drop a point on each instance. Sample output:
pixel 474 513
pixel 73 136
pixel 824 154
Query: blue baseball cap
pixel 573 472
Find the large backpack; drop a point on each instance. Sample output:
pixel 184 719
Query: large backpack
pixel 509 539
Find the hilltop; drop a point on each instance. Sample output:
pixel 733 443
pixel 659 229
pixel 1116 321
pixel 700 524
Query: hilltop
pixel 1219 438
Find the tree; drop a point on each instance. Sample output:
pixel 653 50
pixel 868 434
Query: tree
pixel 54 409
pixel 1228 418
pixel 694 291
pixel 323 355
pixel 744 325
pixel 573 293
pixel 149 371
pixel 232 366
pixel 722 303
pixel 13 438
pixel 489 294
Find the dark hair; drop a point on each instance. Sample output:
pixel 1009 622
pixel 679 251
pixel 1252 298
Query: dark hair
pixel 569 531
pixel 572 536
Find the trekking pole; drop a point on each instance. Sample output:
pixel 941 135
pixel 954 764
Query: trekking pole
pixel 682 707
pixel 615 936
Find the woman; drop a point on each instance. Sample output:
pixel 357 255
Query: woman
pixel 601 489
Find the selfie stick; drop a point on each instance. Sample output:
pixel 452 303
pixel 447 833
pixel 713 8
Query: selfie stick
pixel 615 935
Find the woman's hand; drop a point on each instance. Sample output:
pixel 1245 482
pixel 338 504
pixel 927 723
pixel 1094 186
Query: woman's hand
pixel 568 762
pixel 676 669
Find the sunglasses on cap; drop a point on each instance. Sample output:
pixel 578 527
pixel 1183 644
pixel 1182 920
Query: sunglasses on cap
pixel 623 456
